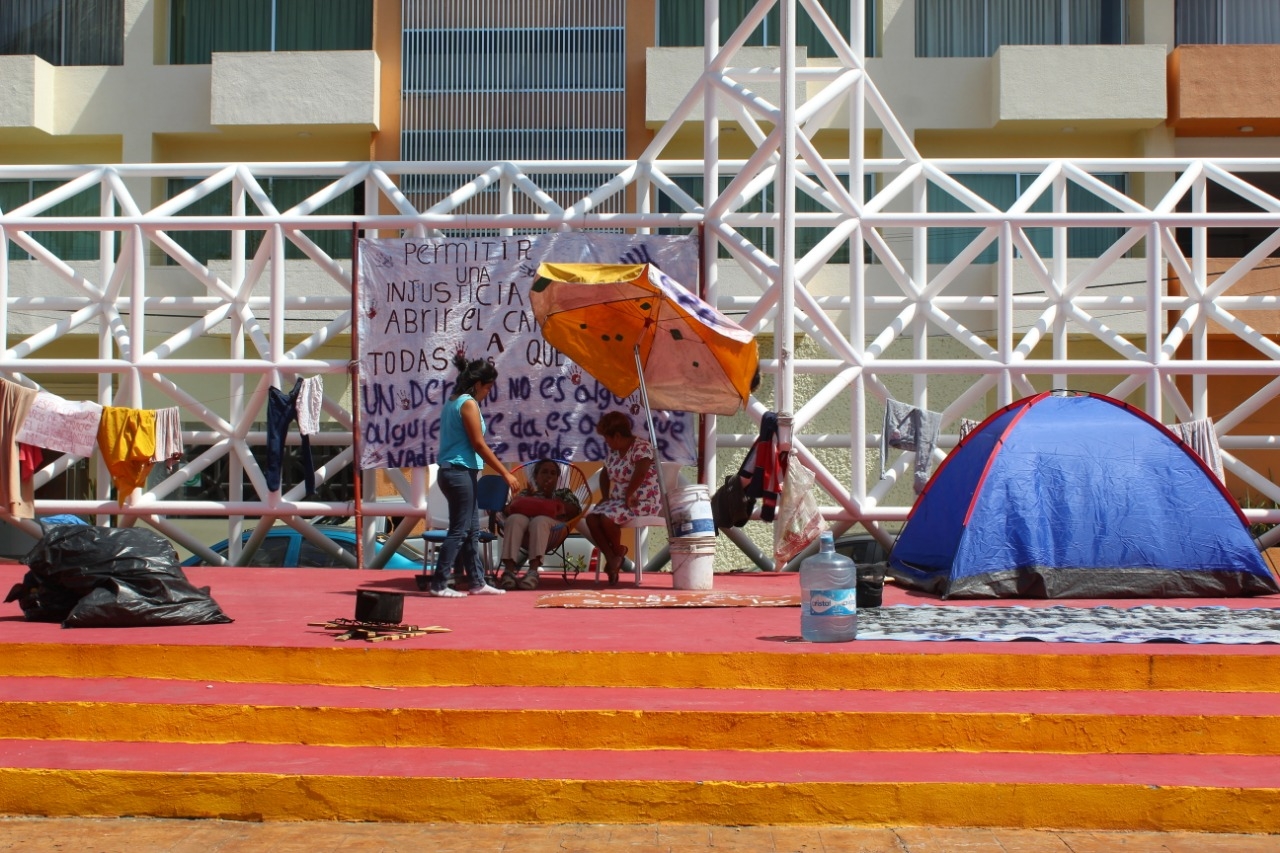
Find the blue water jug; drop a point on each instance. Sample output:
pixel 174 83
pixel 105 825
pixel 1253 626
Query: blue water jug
pixel 828 595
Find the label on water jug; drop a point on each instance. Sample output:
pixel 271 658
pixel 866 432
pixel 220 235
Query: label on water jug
pixel 833 602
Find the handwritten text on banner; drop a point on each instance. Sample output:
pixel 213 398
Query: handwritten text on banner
pixel 422 300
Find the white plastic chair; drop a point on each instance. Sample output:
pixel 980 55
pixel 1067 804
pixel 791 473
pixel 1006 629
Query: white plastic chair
pixel 437 528
pixel 672 480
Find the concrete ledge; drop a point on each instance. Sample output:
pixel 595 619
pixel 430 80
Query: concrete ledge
pixel 26 93
pixel 1218 89
pixel 1121 85
pixel 296 88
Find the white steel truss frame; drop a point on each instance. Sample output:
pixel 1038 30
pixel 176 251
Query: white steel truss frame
pixel 1013 337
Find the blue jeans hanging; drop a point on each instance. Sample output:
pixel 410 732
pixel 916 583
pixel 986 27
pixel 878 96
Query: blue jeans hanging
pixel 282 409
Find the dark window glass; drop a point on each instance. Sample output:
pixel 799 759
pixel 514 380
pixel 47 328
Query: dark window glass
pixel 64 32
pixel 1231 241
pixel 1002 190
pixel 806 238
pixel 271 554
pixel 680 25
pixel 957 28
pixel 1227 22
pixel 200 28
pixel 311 556
pixel 285 193
pixel 214 482
pixel 68 245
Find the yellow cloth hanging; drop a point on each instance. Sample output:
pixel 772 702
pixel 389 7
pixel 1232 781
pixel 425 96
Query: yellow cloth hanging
pixel 127 439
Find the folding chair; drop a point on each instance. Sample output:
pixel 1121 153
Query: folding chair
pixel 573 479
pixel 491 497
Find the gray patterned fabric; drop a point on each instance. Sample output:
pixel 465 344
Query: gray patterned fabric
pixel 1059 624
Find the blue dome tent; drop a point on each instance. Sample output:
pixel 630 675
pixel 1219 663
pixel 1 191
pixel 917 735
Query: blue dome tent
pixel 1077 495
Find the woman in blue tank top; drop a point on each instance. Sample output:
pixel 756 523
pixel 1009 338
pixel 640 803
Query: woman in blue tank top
pixel 462 456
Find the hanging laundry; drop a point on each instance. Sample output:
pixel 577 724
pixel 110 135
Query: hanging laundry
pixel 765 467
pixel 17 496
pixel 909 428
pixel 1201 437
pixel 168 437
pixel 282 409
pixel 127 439
pixel 310 397
pixel 967 425
pixel 30 458
pixel 63 425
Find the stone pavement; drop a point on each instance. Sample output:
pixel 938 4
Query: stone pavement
pixel 134 835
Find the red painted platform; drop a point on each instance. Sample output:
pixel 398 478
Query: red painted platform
pixel 271 608
pixel 530 714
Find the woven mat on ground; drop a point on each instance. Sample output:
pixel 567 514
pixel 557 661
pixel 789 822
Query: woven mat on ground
pixel 932 622
pixel 675 598
pixel 1059 624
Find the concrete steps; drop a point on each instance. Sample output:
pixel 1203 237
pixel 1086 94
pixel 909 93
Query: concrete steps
pixel 1151 738
pixel 569 718
pixel 296 782
pixel 875 666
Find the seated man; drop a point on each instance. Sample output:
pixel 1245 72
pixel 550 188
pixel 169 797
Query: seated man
pixel 536 511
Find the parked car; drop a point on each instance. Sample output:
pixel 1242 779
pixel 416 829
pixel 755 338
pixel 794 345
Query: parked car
pixel 285 547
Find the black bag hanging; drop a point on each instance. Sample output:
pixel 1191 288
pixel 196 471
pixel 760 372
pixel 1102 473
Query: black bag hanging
pixel 730 505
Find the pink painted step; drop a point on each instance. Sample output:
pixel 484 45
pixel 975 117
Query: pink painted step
pixel 162 691
pixel 1218 771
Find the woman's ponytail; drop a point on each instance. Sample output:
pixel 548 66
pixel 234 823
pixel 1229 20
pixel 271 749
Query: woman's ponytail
pixel 471 372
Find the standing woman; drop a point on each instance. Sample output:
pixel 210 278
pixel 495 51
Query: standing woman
pixel 628 489
pixel 461 457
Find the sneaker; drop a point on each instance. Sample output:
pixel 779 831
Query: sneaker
pixel 488 590
pixel 447 593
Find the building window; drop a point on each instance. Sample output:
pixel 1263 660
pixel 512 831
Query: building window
pixel 680 25
pixel 285 193
pixel 64 32
pixel 200 28
pixel 1227 22
pixel 214 482
pixel 68 245
pixel 1002 191
pixel 950 28
pixel 494 80
pixel 765 238
pixel 1231 241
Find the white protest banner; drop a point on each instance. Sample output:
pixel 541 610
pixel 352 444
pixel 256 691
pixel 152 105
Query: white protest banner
pixel 57 424
pixel 424 299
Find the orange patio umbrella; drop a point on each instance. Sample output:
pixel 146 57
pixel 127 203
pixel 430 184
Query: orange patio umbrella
pixel 632 326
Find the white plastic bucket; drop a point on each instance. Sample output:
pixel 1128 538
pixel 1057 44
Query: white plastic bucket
pixel 691 512
pixel 693 562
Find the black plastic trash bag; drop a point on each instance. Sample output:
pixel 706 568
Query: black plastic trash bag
pixel 113 577
pixel 41 603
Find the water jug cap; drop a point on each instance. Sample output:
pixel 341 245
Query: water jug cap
pixel 827 536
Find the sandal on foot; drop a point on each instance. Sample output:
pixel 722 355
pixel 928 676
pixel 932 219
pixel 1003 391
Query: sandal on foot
pixel 529 580
pixel 614 569
pixel 508 580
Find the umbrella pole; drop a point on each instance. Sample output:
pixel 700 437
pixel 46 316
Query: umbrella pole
pixel 653 440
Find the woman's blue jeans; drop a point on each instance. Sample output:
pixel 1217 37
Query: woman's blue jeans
pixel 460 553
